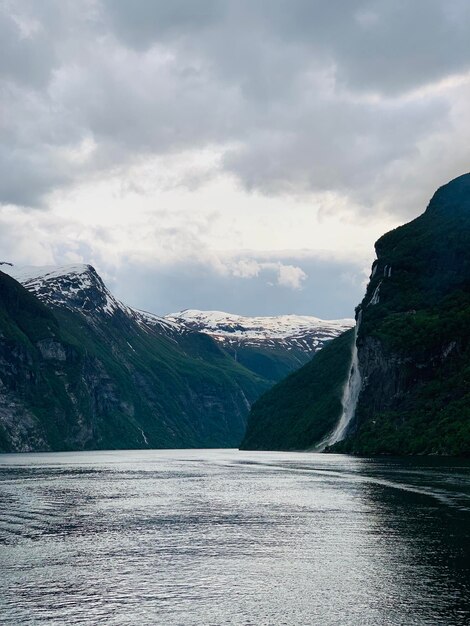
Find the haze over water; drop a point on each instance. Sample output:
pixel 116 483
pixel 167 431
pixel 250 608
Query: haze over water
pixel 202 537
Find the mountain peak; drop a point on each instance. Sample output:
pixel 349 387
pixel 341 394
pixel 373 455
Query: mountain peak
pixel 79 287
pixel 452 198
pixel 30 273
pixel 76 286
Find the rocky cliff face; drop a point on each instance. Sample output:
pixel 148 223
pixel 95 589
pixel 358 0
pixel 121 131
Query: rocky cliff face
pixel 413 344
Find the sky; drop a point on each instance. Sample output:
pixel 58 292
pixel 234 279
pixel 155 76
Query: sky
pixel 239 155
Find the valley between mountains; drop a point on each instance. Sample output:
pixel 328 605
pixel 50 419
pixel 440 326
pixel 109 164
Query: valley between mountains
pixel 81 370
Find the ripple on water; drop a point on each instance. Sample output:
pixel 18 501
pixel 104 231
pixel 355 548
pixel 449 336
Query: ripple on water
pixel 227 537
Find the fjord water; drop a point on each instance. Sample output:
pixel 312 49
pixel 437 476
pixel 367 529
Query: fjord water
pixel 225 537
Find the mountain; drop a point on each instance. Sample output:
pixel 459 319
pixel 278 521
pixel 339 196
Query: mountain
pixel 404 386
pixel 81 370
pixel 269 346
pixel 297 412
pixel 27 328
pixel 78 288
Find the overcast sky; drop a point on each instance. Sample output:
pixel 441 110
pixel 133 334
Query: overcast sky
pixel 241 155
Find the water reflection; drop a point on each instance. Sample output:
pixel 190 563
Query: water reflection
pixel 422 526
pixel 223 537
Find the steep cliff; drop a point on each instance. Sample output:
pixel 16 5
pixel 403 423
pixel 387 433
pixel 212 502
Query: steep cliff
pixel 413 342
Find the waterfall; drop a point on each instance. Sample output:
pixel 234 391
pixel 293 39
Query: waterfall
pixel 352 388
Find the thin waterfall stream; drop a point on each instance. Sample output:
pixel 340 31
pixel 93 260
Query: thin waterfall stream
pixel 350 397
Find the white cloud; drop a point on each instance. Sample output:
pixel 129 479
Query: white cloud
pixel 246 268
pixel 290 276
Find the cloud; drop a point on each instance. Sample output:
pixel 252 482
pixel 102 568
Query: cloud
pixel 287 275
pixel 304 98
pixel 177 135
pixel 330 287
pixel 357 39
pixel 246 268
pixel 291 276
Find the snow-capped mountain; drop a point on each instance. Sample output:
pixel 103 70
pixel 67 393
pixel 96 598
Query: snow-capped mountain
pixel 79 370
pixel 69 286
pixel 94 372
pixel 79 288
pixel 270 347
pixel 300 332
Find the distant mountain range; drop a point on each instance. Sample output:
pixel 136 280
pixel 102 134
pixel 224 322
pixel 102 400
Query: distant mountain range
pixel 81 370
pixel 269 346
pixel 401 383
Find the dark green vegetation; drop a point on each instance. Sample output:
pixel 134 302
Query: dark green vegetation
pixel 303 408
pixel 75 380
pixel 272 362
pixel 413 342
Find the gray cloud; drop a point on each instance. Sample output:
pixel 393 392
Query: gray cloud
pixel 381 45
pixel 25 59
pixel 308 96
pixel 141 24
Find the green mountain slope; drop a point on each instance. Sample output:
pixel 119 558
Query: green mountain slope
pixel 75 378
pixel 303 408
pixel 413 341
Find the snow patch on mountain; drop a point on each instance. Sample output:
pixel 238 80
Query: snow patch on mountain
pixel 302 331
pixel 34 274
pixel 69 286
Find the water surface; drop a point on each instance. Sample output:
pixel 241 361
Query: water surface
pixel 202 537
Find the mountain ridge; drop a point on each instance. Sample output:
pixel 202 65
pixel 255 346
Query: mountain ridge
pixel 271 346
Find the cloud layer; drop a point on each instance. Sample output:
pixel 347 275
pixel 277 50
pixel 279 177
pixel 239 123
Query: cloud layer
pixel 303 97
pixel 357 107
